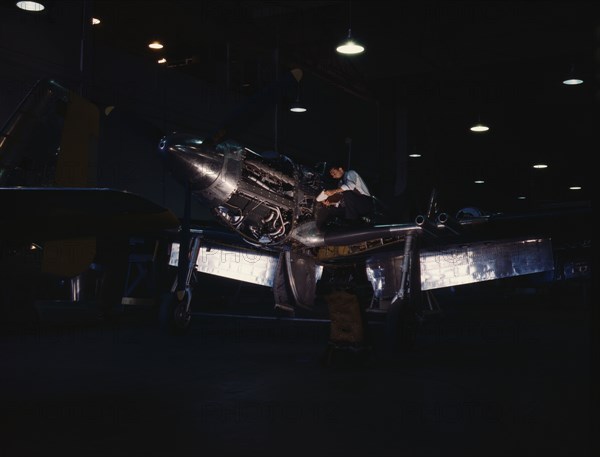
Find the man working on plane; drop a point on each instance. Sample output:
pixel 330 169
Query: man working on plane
pixel 356 201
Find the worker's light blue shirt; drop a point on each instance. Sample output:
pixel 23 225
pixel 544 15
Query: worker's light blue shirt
pixel 352 180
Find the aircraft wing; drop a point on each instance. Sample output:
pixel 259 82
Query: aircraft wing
pixel 69 222
pixel 48 196
pixel 53 213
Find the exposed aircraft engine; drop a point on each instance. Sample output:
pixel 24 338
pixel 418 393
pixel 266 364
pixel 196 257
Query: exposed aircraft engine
pixel 263 199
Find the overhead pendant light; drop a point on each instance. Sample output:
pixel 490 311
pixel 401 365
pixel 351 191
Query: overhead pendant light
pixel 414 154
pixel 479 126
pixel 156 45
pixel 572 78
pixel 572 81
pixel 30 6
pixel 297 106
pixel 95 21
pixel 349 46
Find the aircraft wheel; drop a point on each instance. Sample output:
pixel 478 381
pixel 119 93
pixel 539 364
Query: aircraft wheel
pixel 175 314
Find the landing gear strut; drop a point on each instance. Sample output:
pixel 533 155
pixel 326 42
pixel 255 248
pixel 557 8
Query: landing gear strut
pixel 402 320
pixel 175 305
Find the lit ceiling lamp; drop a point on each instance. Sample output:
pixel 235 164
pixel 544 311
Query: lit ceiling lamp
pixel 479 126
pixel 30 6
pixel 156 45
pixel 95 21
pixel 575 187
pixel 162 60
pixel 540 166
pixel 572 79
pixel 414 154
pixel 297 106
pixel 350 46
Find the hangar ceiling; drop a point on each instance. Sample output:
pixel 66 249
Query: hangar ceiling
pixel 446 62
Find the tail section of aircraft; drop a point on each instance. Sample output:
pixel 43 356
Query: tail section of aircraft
pixel 54 222
pixel 51 141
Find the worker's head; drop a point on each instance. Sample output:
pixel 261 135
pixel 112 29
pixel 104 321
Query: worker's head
pixel 336 171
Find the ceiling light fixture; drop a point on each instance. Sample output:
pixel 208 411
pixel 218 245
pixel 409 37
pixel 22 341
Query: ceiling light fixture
pixel 349 46
pixel 572 78
pixel 163 60
pixel 479 126
pixel 95 21
pixel 575 188
pixel 297 107
pixel 540 165
pixel 156 45
pixel 31 6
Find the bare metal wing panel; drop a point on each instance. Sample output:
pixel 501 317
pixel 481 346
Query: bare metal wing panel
pixel 243 265
pixel 483 261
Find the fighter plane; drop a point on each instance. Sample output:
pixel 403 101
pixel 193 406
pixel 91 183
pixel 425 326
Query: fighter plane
pixel 266 203
pixel 270 202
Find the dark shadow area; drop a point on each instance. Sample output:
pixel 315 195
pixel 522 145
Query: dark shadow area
pixel 502 371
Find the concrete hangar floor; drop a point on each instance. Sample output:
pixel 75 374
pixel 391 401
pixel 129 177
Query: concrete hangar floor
pixel 502 372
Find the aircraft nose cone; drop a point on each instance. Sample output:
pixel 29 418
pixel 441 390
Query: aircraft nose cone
pixel 189 161
pixel 212 175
